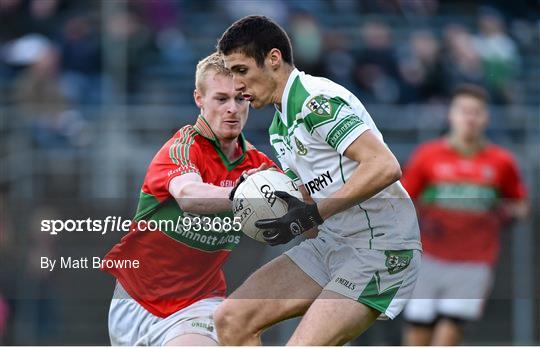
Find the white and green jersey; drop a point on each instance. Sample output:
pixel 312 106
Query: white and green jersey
pixel 318 121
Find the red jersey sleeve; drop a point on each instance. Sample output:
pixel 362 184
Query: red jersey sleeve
pixel 414 177
pixel 177 157
pixel 512 185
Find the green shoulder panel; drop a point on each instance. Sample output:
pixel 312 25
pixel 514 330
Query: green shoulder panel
pixel 277 127
pixel 296 99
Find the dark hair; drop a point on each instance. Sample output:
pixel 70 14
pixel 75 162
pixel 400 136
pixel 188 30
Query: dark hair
pixel 471 90
pixel 255 36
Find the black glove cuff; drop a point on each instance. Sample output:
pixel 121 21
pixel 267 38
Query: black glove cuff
pixel 231 194
pixel 242 178
pixel 314 214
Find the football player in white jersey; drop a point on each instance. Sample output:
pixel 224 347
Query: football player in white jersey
pixel 363 264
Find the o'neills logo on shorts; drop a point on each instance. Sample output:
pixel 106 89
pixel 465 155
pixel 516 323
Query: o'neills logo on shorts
pixel 346 283
pixel 201 325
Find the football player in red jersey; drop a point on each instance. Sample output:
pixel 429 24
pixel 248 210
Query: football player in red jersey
pixel 170 298
pixel 465 187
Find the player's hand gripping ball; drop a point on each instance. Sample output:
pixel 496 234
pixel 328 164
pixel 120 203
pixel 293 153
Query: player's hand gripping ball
pixel 255 199
pixel 300 218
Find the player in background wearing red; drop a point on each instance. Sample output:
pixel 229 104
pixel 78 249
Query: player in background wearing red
pixel 465 188
pixel 170 298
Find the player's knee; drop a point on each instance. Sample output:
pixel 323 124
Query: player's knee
pixel 221 318
pixel 230 322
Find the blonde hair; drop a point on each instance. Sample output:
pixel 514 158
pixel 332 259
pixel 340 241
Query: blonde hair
pixel 213 62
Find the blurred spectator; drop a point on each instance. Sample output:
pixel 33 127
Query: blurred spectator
pixel 164 19
pixel 307 42
pixel 4 315
pixel 37 304
pixel 45 17
pixel 462 63
pixel 338 60
pixel 11 14
pixel 419 7
pixel 236 9
pixel 6 256
pixel 158 15
pixel 39 98
pixel 405 7
pixel 125 28
pixel 376 66
pixel 421 69
pixel 81 60
pixel 499 54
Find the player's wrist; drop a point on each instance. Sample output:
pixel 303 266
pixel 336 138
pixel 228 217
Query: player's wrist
pixel 313 213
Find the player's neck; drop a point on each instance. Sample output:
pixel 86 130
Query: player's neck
pixel 230 148
pixel 281 82
pixel 466 146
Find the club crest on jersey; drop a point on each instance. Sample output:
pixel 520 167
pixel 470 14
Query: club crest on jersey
pixel 320 106
pixel 300 148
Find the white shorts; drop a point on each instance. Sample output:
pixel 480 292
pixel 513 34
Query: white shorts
pixel 452 289
pixel 381 279
pixel 132 325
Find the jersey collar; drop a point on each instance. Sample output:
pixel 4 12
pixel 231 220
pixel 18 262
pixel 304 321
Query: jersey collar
pixel 203 128
pixel 452 144
pixel 283 112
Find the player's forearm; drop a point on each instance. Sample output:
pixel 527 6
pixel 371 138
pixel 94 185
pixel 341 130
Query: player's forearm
pixel 367 180
pixel 201 198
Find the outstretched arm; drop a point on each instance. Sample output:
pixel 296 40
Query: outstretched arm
pixel 195 196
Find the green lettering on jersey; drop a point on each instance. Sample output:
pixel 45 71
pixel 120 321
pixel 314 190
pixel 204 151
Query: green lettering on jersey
pixel 461 196
pixel 342 129
pixel 212 232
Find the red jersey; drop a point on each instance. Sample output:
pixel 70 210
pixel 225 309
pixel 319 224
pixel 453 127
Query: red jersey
pixel 457 198
pixel 180 267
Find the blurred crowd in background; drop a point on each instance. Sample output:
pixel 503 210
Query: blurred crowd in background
pixel 390 52
pixel 61 60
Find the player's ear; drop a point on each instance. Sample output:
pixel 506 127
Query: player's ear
pixel 197 96
pixel 274 58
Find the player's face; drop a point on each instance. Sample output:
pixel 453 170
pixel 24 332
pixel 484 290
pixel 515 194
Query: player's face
pixel 254 82
pixel 225 109
pixel 468 117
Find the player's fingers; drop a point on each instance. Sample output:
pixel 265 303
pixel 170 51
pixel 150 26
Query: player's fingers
pixel 252 171
pixel 284 196
pixel 266 224
pixel 263 166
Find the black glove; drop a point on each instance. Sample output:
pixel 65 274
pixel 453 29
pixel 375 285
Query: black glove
pixel 300 217
pixel 240 180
